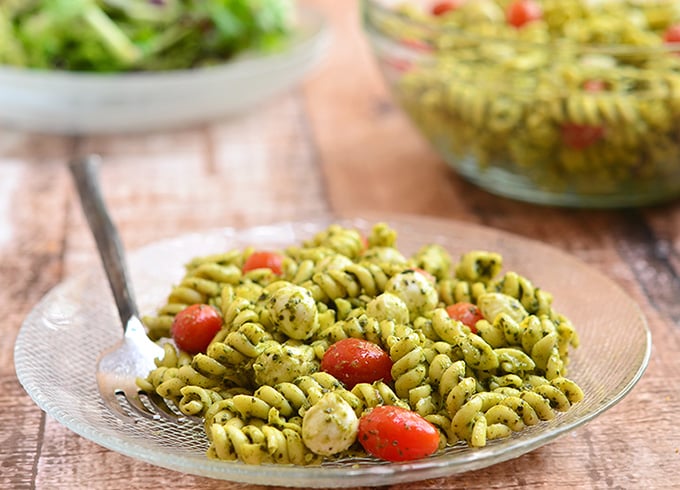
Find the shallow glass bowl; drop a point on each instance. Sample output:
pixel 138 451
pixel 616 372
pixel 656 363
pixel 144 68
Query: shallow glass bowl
pixel 71 103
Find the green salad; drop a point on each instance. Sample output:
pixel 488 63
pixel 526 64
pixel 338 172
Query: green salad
pixel 138 35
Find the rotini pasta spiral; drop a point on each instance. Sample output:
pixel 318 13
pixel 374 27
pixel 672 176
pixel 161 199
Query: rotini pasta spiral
pixel 433 259
pixel 409 369
pixel 351 281
pixel 453 290
pixel 341 240
pixel 375 394
pixel 204 281
pixel 258 444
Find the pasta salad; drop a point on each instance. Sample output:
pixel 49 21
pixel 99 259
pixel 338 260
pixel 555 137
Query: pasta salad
pixel 344 347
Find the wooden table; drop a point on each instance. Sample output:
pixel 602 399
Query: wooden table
pixel 334 144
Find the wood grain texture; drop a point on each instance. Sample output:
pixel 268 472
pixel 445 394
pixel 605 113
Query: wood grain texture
pixel 335 143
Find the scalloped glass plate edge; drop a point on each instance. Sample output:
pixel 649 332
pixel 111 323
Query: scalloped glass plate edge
pixel 55 313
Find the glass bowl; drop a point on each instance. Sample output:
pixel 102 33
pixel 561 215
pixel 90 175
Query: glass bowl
pixel 62 102
pixel 579 108
pixel 78 317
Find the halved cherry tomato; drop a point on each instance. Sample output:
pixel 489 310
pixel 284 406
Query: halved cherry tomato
pixel 397 434
pixel 521 12
pixel 594 85
pixel 581 136
pixel 264 260
pixel 467 313
pixel 195 326
pixel 672 34
pixel 354 361
pixel 441 8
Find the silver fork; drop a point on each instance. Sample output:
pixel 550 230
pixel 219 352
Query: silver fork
pixel 119 366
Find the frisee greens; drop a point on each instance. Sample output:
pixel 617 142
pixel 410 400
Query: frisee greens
pixel 138 35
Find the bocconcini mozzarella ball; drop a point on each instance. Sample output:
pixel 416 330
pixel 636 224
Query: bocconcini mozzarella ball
pixel 330 426
pixel 493 304
pixel 388 306
pixel 282 363
pixel 293 311
pixel 415 290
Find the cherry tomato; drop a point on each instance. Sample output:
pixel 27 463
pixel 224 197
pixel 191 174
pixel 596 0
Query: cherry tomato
pixel 195 326
pixel 467 313
pixel 594 85
pixel 354 361
pixel 521 12
pixel 264 260
pixel 397 434
pixel 441 8
pixel 672 34
pixel 581 136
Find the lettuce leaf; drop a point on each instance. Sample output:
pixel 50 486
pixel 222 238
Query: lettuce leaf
pixel 138 35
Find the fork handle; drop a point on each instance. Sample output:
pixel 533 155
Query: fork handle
pixel 85 174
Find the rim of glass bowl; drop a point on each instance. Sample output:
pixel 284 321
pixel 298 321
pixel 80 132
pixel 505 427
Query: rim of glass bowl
pixel 371 8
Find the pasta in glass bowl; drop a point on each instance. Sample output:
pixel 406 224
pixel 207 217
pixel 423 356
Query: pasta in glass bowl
pixel 561 103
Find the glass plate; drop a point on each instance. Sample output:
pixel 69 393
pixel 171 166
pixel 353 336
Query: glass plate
pixel 87 103
pixel 78 319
